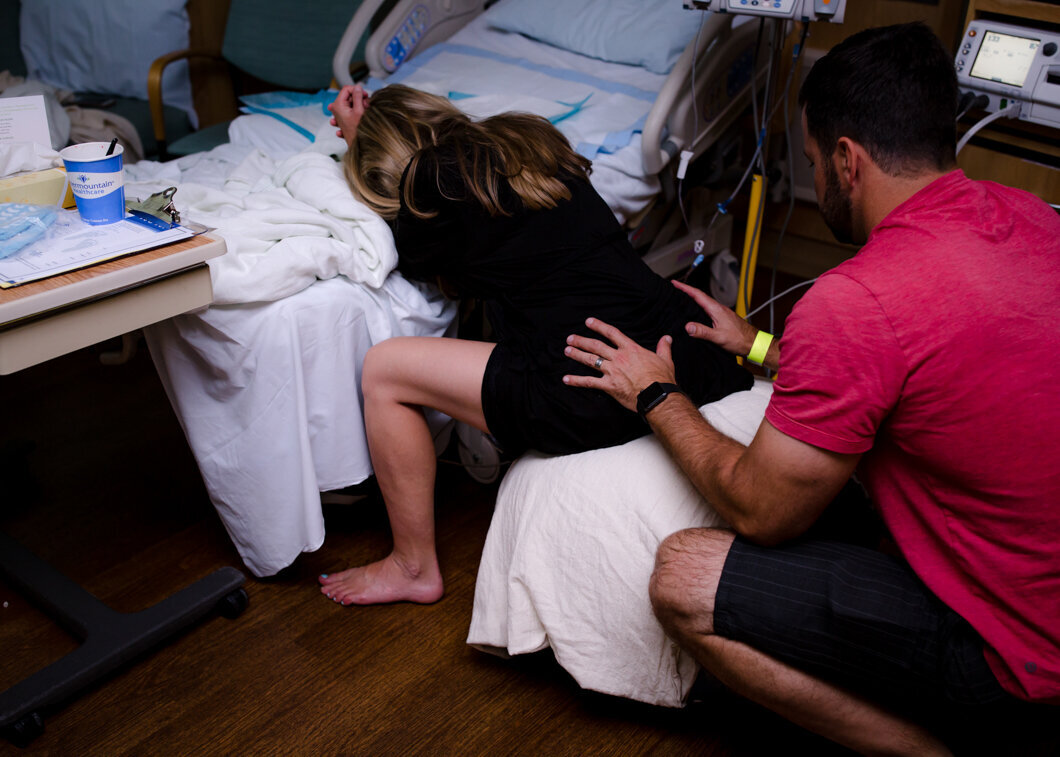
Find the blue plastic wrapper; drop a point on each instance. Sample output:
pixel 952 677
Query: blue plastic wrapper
pixel 22 224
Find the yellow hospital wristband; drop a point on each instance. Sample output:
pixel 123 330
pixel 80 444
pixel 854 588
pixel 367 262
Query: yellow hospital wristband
pixel 759 349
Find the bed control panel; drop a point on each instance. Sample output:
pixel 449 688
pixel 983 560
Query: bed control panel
pixel 799 10
pixel 1012 65
pixel 404 40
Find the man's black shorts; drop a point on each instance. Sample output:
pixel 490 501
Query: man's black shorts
pixel 863 620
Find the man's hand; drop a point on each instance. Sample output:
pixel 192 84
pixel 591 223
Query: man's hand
pixel 770 491
pixel 347 110
pixel 730 332
pixel 626 368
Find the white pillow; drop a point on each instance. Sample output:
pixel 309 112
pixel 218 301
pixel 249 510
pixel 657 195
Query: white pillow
pixel 106 46
pixel 648 33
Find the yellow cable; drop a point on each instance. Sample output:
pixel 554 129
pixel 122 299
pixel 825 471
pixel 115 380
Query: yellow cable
pixel 752 236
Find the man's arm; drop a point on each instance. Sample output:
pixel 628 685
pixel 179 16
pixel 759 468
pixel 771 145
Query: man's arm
pixel 770 491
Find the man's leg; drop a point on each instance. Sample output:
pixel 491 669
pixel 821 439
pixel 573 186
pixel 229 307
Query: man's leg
pixel 683 588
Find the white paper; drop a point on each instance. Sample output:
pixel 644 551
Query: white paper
pixel 24 119
pixel 71 244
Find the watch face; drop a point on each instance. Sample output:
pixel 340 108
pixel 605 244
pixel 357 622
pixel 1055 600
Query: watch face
pixel 653 395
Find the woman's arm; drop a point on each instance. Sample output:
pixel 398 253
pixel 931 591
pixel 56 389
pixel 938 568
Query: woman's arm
pixel 347 110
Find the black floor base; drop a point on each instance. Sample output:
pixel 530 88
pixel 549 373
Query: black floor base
pixel 109 638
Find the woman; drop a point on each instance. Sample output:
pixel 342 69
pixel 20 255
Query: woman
pixel 499 210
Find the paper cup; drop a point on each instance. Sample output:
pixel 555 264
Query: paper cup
pixel 96 181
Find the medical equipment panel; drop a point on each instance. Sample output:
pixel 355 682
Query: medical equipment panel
pixel 798 10
pixel 408 34
pixel 409 28
pixel 1015 67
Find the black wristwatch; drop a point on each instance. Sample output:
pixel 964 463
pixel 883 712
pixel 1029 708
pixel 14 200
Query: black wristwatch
pixel 653 395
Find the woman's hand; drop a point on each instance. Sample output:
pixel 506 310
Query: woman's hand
pixel 627 368
pixel 730 332
pixel 347 110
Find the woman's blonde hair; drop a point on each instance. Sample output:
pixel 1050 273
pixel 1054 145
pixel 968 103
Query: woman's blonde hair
pixel 400 122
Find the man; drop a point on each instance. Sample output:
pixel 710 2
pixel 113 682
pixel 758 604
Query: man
pixel 929 363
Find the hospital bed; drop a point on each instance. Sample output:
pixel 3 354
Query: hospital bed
pixel 616 77
pixel 266 380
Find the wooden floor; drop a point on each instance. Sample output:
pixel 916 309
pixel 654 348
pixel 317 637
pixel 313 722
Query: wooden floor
pixel 99 482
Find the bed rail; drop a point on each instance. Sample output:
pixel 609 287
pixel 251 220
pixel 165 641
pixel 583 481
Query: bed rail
pixel 722 92
pixel 410 27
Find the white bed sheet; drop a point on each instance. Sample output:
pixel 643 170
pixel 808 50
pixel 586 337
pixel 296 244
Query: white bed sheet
pixel 600 106
pixel 266 381
pixel 269 398
pixel 513 71
pixel 570 551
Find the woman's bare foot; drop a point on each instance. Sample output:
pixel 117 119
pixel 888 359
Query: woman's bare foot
pixel 386 580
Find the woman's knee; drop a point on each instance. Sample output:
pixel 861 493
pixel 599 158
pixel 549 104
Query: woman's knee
pixel 436 372
pixel 380 371
pixel 688 565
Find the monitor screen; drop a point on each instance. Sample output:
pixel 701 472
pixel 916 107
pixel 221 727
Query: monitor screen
pixel 1004 58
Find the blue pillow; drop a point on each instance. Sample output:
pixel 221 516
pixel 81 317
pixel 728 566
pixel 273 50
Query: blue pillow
pixel 107 46
pixel 648 33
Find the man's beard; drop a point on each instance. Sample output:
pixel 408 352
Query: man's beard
pixel 836 208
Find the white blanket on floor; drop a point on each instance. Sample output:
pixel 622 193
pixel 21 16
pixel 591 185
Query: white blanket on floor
pixel 570 551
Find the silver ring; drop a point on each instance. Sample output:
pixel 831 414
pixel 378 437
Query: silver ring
pixel 598 363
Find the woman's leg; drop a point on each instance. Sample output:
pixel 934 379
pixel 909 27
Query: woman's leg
pixel 400 377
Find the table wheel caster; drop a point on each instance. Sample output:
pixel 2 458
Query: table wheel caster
pixel 232 605
pixel 25 730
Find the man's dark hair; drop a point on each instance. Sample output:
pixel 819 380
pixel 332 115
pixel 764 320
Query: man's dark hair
pixel 891 89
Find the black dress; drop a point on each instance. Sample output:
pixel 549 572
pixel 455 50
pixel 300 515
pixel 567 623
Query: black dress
pixel 540 274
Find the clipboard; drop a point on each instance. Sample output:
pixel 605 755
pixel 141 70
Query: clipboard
pixel 72 244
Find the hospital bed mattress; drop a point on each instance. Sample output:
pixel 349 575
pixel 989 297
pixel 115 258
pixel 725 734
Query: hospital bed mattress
pixel 599 105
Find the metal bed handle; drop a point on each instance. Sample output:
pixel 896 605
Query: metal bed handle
pixel 443 19
pixel 340 62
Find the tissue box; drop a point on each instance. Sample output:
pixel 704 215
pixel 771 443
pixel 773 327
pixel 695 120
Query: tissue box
pixel 37 188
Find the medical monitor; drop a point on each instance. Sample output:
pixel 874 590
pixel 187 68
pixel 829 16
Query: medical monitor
pixel 1016 68
pixel 1004 58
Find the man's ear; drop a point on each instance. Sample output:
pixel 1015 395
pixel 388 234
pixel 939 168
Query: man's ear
pixel 847 161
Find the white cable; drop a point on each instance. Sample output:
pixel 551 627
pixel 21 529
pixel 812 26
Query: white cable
pixel 695 127
pixel 767 119
pixel 787 216
pixel 754 91
pixel 791 171
pixel 722 207
pixel 1011 111
pixel 758 148
pixel 695 58
pixel 777 297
